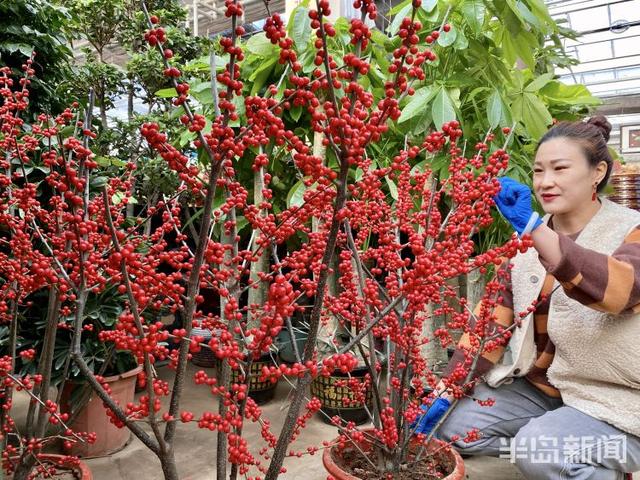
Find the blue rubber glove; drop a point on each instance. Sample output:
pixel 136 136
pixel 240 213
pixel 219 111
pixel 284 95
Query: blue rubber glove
pixel 433 414
pixel 514 203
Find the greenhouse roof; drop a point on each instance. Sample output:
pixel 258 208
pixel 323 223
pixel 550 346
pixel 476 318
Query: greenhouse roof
pixel 608 47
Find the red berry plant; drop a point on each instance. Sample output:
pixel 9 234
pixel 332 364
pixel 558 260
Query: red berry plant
pixel 393 254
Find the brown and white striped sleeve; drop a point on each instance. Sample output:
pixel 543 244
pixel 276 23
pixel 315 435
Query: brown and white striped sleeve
pixel 608 283
pixel 502 315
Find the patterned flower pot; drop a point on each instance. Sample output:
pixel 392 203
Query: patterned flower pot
pixel 339 398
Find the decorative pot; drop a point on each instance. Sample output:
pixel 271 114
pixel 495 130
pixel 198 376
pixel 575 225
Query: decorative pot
pixel 205 357
pixel 332 459
pixel 260 391
pixel 338 399
pixel 284 342
pixel 93 416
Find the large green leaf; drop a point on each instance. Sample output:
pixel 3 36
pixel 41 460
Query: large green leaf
pixel 442 110
pixel 505 119
pixel 538 83
pixel 494 109
pixel 473 12
pixel 295 197
pixel 418 104
pixel 24 49
pixel 559 93
pixel 202 93
pixel 528 14
pixel 260 45
pixel 261 74
pixel 461 42
pixel 540 10
pixel 166 93
pixel 520 46
pixel 300 28
pixel 447 38
pixel 295 112
pixel 532 113
pixel 429 5
pixel 397 20
pixel 399 7
pixel 393 188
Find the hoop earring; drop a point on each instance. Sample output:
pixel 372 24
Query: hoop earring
pixel 595 189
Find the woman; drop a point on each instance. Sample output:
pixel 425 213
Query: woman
pixel 567 385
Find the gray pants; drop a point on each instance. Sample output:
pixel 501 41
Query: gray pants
pixel 544 438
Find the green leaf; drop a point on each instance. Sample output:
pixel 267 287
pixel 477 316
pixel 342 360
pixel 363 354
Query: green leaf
pixel 519 46
pixel 261 74
pixel 541 12
pixel 473 12
pixel 447 38
pixel 23 48
pixel 399 7
pixel 204 96
pixel 397 20
pixel 442 108
pixel 532 113
pixel 527 14
pixel 300 28
pixel 476 91
pixel 429 5
pixel 166 93
pixel 418 104
pixel 260 45
pixel 295 197
pixel 186 136
pixel 539 82
pixel 99 182
pixel 494 109
pixel 103 161
pixel 378 38
pixel 461 42
pixel 295 112
pixel 559 93
pixel 393 188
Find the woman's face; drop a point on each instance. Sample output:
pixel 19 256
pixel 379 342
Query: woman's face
pixel 563 180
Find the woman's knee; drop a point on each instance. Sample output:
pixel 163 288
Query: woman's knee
pixel 455 423
pixel 454 431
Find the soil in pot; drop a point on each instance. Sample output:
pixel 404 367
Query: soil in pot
pixel 348 463
pixel 351 461
pixel 338 398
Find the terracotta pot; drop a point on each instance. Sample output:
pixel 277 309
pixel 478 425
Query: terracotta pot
pixel 93 417
pixel 332 467
pixel 82 470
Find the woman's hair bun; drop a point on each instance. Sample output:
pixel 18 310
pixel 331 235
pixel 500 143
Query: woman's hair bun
pixel 602 124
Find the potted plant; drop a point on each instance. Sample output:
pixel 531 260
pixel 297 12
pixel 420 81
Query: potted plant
pixel 118 368
pixel 372 206
pixel 51 465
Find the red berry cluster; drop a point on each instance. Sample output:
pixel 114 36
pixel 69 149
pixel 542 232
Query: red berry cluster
pixel 155 36
pixel 274 28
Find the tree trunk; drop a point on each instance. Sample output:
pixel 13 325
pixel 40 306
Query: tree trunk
pixel 257 295
pixel 130 94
